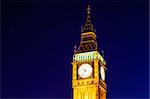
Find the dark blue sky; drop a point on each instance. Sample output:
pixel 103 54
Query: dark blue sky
pixel 38 37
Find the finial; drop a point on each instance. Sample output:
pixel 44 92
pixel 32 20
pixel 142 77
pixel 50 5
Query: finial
pixel 88 9
pixel 103 53
pixel 88 26
pixel 88 13
pixel 82 29
pixel 75 48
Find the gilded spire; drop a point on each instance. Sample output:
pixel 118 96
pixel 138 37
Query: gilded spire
pixel 88 27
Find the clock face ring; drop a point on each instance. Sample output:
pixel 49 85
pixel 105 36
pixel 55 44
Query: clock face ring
pixel 102 71
pixel 85 70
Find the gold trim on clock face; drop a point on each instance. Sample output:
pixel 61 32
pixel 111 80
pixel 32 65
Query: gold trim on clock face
pixel 85 70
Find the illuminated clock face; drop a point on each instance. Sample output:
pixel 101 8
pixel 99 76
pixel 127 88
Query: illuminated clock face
pixel 102 71
pixel 85 70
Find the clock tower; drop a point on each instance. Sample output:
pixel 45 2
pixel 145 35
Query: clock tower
pixel 88 65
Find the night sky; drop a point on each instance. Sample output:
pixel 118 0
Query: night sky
pixel 38 38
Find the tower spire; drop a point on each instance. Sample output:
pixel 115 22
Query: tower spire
pixel 88 27
pixel 88 38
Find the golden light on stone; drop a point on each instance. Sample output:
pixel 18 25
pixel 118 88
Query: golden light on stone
pixel 88 66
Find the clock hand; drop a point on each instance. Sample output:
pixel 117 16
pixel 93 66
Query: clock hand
pixel 84 70
pixel 83 74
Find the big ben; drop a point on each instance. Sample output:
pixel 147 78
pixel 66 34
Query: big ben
pixel 88 65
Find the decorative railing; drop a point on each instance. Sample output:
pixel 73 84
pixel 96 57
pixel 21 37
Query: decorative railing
pixel 88 57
